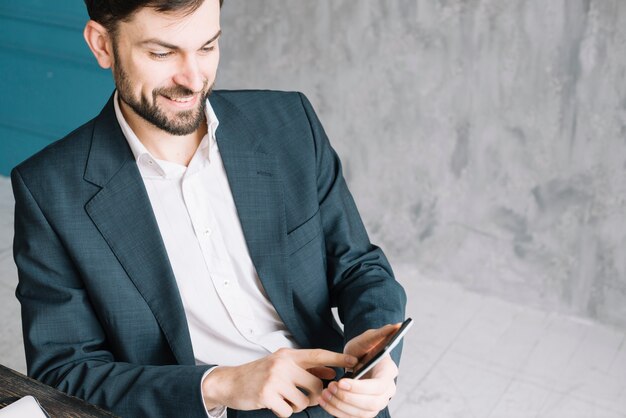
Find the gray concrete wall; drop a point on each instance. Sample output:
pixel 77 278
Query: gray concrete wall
pixel 484 140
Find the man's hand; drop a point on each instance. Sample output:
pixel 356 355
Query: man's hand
pixel 274 382
pixel 367 396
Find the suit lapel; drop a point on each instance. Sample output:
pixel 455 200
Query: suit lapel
pixel 122 213
pixel 255 181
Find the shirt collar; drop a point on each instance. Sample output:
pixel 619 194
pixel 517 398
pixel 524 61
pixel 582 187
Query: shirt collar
pixel 150 166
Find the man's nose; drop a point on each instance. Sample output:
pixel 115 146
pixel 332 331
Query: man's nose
pixel 189 74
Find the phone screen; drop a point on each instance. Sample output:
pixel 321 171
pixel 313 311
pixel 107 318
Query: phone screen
pixel 377 353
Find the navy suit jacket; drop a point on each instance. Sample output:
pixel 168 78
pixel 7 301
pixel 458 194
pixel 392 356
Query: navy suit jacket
pixel 102 315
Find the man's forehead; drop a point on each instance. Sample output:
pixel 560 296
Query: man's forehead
pixel 186 24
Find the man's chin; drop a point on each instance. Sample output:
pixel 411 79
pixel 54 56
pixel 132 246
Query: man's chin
pixel 183 122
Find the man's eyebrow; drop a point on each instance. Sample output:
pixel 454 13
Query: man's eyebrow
pixel 156 41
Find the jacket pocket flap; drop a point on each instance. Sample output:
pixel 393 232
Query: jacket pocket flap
pixel 304 233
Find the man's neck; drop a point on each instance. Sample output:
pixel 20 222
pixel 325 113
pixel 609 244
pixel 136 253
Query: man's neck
pixel 163 145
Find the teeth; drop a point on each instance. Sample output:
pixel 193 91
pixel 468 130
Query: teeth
pixel 182 99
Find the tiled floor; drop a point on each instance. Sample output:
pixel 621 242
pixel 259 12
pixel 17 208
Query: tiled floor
pixel 476 356
pixel 467 355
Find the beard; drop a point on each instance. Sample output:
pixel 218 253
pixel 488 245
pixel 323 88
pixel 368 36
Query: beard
pixel 182 123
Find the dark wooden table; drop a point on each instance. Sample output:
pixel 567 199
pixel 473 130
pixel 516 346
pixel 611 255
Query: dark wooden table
pixel 14 385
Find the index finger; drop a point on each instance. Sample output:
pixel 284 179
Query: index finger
pixel 308 358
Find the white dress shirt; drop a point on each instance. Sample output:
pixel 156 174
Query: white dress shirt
pixel 231 320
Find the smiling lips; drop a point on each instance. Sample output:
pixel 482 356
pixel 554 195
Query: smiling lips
pixel 183 102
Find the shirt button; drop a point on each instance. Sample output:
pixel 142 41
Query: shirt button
pixel 207 232
pixel 226 282
pixel 251 331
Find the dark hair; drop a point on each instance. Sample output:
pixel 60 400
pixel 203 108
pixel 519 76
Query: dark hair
pixel 110 12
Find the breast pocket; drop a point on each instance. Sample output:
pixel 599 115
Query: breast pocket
pixel 304 233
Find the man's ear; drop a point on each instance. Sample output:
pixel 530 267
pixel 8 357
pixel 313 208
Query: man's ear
pixel 100 43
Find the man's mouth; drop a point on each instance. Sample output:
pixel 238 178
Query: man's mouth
pixel 183 102
pixel 182 99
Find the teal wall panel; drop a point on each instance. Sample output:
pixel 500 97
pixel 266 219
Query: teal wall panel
pixel 17 146
pixel 50 83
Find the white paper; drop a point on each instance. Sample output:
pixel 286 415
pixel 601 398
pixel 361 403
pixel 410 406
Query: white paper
pixel 25 407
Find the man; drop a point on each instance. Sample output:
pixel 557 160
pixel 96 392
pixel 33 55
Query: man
pixel 179 254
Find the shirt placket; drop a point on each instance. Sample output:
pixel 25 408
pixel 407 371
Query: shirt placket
pixel 218 261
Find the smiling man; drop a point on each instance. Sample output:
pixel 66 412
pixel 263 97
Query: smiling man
pixel 179 254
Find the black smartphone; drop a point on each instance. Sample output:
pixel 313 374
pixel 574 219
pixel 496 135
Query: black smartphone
pixel 368 361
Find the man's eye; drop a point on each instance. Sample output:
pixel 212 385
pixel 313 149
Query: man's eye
pixel 160 55
pixel 207 49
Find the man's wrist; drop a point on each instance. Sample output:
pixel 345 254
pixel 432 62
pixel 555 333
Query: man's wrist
pixel 214 388
pixel 213 406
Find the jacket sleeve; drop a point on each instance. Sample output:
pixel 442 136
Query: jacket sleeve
pixel 361 281
pixel 66 346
